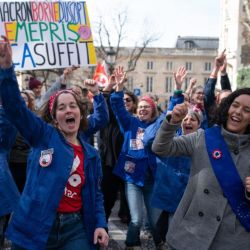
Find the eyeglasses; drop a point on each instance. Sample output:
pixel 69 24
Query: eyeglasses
pixel 199 93
pixel 127 100
pixel 144 107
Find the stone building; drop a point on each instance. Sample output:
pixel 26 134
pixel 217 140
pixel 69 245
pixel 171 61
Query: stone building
pixel 154 70
pixel 235 35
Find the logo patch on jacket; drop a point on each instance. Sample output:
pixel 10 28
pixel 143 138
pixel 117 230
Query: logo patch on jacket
pixel 46 157
pixel 129 167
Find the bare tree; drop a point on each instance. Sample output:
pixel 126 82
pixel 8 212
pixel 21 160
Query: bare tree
pixel 105 41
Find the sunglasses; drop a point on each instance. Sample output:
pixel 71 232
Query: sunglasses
pixel 127 100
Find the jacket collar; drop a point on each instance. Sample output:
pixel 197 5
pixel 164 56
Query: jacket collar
pixel 235 140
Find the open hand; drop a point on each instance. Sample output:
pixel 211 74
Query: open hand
pixel 5 53
pixel 179 76
pixel 120 77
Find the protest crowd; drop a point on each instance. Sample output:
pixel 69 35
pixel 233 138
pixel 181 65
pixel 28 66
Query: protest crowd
pixel 182 172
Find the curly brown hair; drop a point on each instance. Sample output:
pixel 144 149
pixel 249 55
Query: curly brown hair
pixel 222 111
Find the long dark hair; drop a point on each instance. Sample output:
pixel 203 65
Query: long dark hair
pixel 222 111
pixel 48 116
pixel 134 99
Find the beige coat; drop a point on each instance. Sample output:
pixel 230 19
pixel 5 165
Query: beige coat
pixel 204 219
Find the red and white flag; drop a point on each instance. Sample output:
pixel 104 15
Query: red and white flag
pixel 100 75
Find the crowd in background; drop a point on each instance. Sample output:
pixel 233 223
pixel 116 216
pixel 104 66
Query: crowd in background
pixel 186 165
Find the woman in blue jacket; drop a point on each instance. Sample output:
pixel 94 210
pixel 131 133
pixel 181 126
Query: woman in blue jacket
pixel 135 165
pixel 9 194
pixel 61 206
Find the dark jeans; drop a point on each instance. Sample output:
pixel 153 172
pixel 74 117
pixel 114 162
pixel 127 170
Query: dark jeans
pixel 67 233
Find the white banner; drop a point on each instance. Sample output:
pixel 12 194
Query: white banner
pixel 51 34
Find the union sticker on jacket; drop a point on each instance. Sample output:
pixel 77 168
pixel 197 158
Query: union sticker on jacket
pixel 136 144
pixel 46 157
pixel 129 167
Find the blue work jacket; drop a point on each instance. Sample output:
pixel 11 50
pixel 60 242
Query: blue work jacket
pixel 9 194
pixel 171 176
pixel 32 220
pixel 134 160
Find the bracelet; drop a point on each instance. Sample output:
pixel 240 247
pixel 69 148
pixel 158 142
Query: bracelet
pixel 178 91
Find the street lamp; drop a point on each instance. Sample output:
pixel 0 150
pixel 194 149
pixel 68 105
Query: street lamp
pixel 110 59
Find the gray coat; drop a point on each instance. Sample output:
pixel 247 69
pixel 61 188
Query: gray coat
pixel 204 218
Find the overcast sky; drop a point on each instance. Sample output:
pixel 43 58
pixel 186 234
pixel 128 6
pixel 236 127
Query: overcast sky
pixel 165 19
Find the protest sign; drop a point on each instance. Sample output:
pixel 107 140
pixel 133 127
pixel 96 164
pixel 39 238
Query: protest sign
pixel 48 34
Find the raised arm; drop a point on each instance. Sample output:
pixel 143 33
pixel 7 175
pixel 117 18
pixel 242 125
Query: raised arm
pixel 116 100
pixel 100 117
pixel 177 96
pixel 31 127
pixel 60 83
pixel 211 82
pixel 224 80
pixel 190 86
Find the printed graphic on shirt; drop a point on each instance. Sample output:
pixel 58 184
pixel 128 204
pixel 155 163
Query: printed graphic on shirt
pixel 72 196
pixel 137 144
pixel 75 180
pixel 73 187
pixel 129 167
pixel 75 165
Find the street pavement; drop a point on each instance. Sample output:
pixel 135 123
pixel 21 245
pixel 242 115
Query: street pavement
pixel 118 231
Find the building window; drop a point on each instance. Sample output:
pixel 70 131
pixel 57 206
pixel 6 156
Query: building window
pixel 189 66
pixel 130 83
pixel 189 45
pixel 169 84
pixel 149 84
pixel 208 66
pixel 150 65
pixel 169 66
pixel 187 81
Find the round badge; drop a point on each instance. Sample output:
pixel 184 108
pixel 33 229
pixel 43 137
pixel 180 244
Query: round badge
pixel 84 32
pixel 217 154
pixel 45 160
